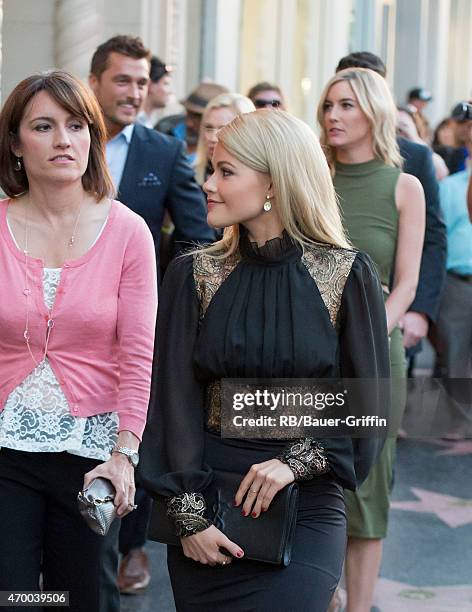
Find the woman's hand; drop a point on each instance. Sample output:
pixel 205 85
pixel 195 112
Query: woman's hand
pixel 261 484
pixel 121 474
pixel 205 545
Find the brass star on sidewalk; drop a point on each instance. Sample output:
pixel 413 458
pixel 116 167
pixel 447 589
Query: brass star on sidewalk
pixel 392 596
pixel 454 511
pixel 454 447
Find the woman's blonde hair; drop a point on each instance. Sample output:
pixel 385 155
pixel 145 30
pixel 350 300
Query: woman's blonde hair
pixel 377 104
pixel 276 143
pixel 239 104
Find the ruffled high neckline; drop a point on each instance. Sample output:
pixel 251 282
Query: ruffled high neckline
pixel 275 250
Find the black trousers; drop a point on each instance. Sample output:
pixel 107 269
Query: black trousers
pixel 41 530
pixel 130 532
pixel 134 527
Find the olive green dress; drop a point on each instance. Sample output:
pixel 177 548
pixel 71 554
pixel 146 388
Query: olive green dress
pixel 366 193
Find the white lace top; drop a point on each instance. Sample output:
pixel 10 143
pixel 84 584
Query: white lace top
pixel 36 416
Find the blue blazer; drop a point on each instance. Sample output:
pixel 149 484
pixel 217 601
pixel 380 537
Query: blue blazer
pixel 156 177
pixel 418 161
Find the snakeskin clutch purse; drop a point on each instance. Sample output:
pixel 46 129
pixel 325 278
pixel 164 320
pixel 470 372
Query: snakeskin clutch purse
pixel 96 505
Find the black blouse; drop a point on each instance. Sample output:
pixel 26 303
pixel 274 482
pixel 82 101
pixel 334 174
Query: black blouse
pixel 267 312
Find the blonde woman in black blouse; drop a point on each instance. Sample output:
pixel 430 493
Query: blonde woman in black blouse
pixel 282 295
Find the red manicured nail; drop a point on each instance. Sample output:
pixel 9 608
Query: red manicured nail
pixel 239 553
pixel 235 503
pixel 243 512
pixel 264 509
pixel 254 515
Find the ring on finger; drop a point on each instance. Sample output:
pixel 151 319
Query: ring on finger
pixel 254 490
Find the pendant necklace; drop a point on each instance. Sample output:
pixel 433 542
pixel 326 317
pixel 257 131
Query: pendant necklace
pixel 27 290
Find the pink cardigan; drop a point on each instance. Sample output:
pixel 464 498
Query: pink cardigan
pixel 101 344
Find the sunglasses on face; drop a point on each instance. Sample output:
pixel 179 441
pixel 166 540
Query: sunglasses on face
pixel 261 103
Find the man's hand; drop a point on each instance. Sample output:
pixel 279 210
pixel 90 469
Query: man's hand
pixel 415 327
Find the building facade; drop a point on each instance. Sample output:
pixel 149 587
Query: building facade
pixel 295 43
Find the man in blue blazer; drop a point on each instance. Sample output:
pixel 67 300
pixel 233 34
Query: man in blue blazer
pixel 150 169
pixel 157 177
pixel 153 176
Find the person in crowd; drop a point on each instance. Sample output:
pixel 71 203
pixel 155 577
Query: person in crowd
pixel 218 112
pixel 267 95
pixel 418 99
pixel 417 160
pixel 454 324
pixel 444 134
pixel 77 320
pixel 186 126
pixel 282 294
pixel 456 153
pixel 152 175
pixel 383 213
pixel 408 126
pixel 160 88
pixel 469 199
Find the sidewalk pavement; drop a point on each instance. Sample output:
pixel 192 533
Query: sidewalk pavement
pixel 427 564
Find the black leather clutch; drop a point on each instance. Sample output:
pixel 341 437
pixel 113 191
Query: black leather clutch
pixel 268 538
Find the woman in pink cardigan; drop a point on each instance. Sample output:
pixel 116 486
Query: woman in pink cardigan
pixel 77 318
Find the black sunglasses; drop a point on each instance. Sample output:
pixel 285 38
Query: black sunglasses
pixel 261 103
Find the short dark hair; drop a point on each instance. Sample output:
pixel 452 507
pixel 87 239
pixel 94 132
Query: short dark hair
pixel 363 59
pixel 157 69
pixel 76 99
pixel 131 46
pixel 263 86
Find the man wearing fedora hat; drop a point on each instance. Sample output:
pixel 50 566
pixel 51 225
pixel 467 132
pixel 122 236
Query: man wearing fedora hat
pixel 187 126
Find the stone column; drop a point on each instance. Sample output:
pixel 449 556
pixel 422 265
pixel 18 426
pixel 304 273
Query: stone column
pixel 79 30
pixel 228 16
pixel 437 57
pixel 327 41
pixel 459 73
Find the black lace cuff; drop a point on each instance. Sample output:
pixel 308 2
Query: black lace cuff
pixel 187 510
pixel 306 458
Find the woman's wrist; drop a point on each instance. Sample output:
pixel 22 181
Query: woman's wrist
pixel 128 439
pixel 306 458
pixel 187 513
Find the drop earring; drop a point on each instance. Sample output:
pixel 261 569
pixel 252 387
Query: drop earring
pixel 18 164
pixel 267 204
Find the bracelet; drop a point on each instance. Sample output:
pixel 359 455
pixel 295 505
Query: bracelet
pixel 187 510
pixel 306 458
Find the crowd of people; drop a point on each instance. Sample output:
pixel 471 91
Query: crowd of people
pixel 276 255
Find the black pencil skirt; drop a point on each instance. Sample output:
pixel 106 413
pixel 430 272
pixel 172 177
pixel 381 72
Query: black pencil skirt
pixel 306 585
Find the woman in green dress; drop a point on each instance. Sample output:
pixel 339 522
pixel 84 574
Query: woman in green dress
pixel 383 212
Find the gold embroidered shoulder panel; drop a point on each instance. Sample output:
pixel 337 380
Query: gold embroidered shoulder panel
pixel 329 267
pixel 209 274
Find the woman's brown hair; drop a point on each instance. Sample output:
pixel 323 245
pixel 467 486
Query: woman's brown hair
pixel 75 98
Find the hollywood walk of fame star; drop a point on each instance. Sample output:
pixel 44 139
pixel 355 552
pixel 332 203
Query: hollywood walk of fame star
pixel 393 596
pixel 454 511
pixel 453 447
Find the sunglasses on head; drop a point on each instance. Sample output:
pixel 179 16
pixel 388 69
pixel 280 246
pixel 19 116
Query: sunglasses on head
pixel 261 103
